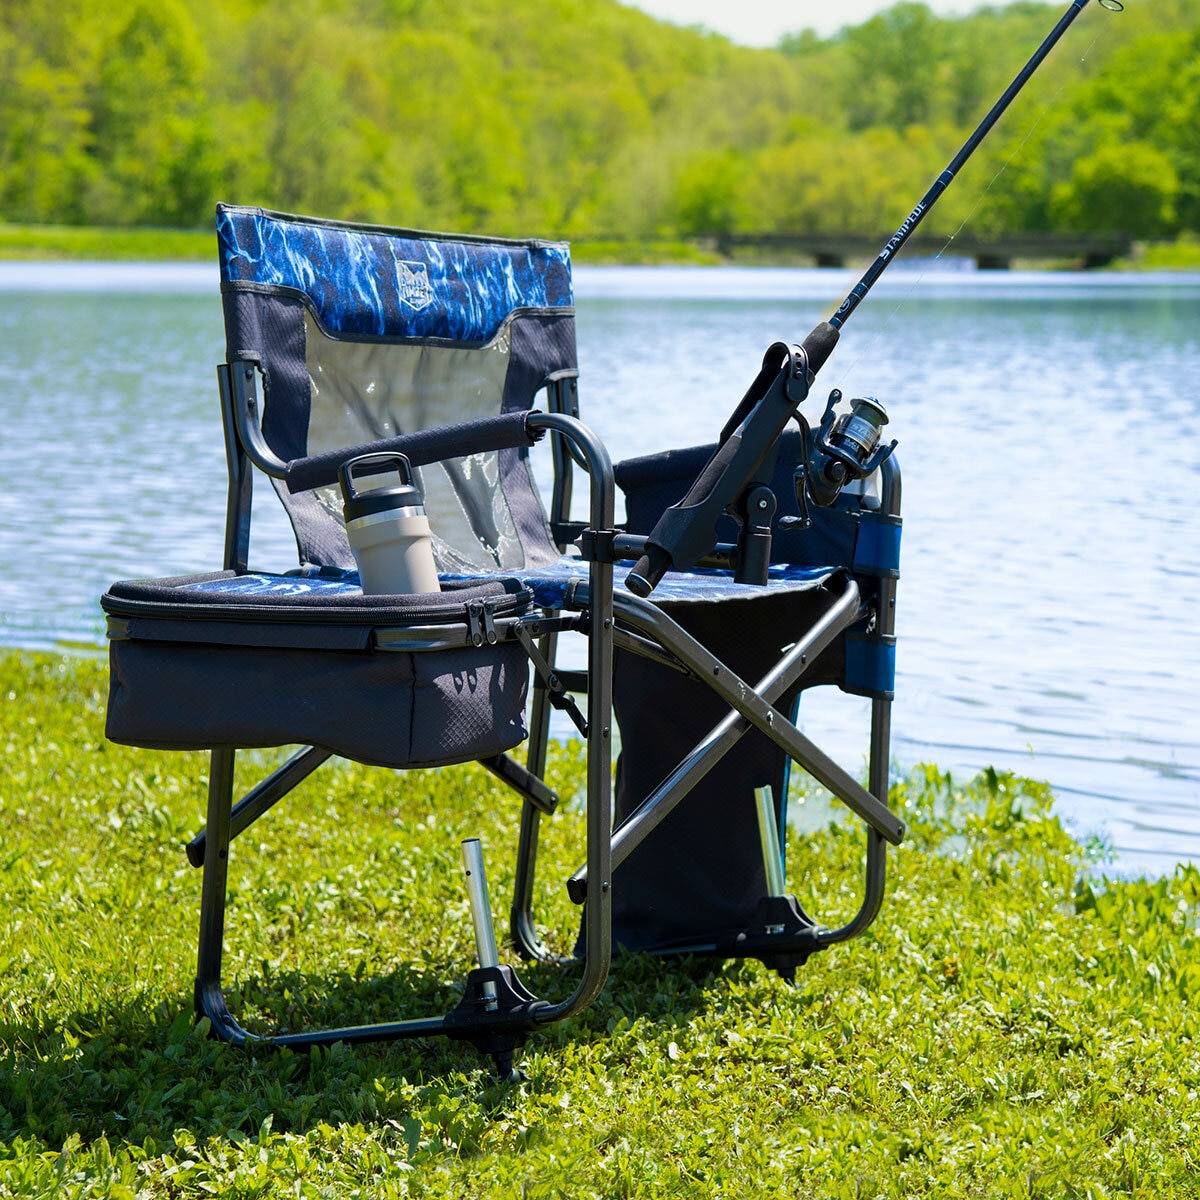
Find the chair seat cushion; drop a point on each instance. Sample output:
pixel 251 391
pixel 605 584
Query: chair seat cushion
pixel 550 584
pixel 698 586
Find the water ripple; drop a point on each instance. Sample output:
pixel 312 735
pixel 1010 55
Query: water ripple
pixel 1049 434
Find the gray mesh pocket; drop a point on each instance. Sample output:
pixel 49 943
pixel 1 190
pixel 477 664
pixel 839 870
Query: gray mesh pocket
pixel 390 709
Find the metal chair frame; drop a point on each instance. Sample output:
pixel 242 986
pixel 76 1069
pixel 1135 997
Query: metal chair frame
pixel 497 1012
pixel 749 707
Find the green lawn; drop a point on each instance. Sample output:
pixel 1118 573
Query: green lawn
pixel 1003 1030
pixel 106 244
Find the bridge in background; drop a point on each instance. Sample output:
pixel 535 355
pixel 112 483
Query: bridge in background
pixel 990 254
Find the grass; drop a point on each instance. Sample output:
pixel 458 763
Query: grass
pixel 1183 254
pixel 52 242
pixel 1006 1028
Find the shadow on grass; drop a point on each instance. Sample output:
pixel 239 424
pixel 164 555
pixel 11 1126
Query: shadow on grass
pixel 140 1074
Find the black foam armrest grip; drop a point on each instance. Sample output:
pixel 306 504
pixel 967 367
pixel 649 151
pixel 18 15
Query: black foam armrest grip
pixel 426 446
pixel 819 344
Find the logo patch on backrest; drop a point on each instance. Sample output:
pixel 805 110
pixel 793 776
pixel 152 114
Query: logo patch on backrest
pixel 412 285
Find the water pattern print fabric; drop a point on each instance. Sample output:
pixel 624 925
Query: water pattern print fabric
pixel 372 282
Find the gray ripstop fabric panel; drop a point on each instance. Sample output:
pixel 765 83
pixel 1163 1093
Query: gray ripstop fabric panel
pixel 189 697
pixel 258 660
pixel 271 329
pixel 542 344
pixel 464 700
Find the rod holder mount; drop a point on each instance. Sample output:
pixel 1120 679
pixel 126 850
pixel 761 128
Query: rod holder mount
pixel 481 913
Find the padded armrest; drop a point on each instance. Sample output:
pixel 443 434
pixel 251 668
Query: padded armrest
pixel 503 432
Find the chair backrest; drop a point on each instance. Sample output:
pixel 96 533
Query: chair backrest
pixel 364 333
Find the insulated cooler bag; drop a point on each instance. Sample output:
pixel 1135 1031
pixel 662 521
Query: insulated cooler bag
pixel 200 662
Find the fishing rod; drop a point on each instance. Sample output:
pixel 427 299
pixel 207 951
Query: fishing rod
pixel 842 448
pixel 943 181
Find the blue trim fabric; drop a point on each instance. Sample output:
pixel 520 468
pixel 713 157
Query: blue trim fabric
pixel 877 548
pixel 870 665
pixel 368 282
pixel 548 584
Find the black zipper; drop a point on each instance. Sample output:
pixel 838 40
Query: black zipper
pixel 442 614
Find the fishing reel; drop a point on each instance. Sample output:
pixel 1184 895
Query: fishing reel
pixel 845 447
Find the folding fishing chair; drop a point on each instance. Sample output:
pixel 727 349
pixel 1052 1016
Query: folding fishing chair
pixel 343 339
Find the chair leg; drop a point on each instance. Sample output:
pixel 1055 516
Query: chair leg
pixel 260 799
pixel 209 998
pixel 524 932
pixel 876 862
pixel 878 775
pixel 496 1012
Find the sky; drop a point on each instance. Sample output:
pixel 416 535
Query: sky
pixel 763 22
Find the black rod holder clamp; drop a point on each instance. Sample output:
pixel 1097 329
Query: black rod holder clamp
pixel 755 512
pixel 687 531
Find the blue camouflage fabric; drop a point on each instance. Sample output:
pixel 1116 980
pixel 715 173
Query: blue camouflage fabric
pixel 373 282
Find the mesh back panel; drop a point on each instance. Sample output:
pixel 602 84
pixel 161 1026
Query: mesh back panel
pixel 365 391
pixel 365 333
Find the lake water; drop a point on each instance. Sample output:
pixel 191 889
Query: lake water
pixel 1049 431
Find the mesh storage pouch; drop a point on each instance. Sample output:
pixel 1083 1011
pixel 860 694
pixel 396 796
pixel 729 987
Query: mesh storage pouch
pixel 226 660
pixel 700 873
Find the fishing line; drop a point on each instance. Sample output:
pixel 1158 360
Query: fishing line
pixel 1113 6
pixel 843 448
pixel 1050 104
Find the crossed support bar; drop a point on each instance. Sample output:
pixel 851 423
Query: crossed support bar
pixel 751 707
pixel 302 764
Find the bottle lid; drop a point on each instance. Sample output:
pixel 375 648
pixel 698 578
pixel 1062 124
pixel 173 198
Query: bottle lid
pixel 367 501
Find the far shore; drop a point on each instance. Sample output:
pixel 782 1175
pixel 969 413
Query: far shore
pixel 51 243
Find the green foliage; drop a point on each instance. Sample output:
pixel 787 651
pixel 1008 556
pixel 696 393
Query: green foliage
pixel 1132 187
pixel 707 193
pixel 895 58
pixel 1010 1026
pixel 151 131
pixel 1118 150
pixel 1181 255
pixel 587 119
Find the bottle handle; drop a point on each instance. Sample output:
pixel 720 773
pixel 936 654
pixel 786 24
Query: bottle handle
pixel 348 470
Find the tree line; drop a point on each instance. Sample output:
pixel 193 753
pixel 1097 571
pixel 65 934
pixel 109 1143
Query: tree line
pixel 585 119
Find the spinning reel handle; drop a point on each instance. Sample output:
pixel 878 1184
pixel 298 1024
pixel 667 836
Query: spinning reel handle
pixel 845 447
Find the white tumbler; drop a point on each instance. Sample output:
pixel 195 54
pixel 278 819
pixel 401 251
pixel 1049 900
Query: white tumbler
pixel 386 525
